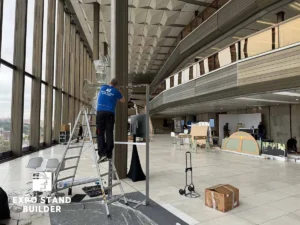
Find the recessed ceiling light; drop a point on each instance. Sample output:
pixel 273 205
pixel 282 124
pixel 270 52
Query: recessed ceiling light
pixel 297 99
pixel 265 22
pixel 216 49
pixel 287 93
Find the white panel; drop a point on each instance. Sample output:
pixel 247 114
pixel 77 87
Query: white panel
pixel 176 79
pixel 194 71
pixel 247 120
pixel 185 75
pixel 206 66
pixel 224 57
pixel 167 83
pixel 197 70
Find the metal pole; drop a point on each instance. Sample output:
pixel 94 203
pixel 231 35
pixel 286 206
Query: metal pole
pixel 147 145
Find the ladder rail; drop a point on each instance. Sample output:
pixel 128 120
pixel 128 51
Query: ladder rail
pixel 80 152
pixel 118 180
pixel 65 153
pixel 97 165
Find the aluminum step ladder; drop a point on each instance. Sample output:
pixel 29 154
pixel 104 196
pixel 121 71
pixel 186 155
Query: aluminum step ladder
pixel 88 141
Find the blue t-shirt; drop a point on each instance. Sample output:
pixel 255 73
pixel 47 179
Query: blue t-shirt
pixel 107 98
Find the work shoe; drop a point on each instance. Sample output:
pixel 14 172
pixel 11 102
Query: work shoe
pixel 102 159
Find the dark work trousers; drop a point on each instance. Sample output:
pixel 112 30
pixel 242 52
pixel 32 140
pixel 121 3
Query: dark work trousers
pixel 105 133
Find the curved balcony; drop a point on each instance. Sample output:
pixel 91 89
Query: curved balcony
pixel 219 71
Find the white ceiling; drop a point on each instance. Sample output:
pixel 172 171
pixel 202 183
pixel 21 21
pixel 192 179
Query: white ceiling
pixel 153 27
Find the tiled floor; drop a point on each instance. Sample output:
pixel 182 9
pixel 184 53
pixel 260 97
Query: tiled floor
pixel 269 190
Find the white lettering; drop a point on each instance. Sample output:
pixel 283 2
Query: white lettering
pixel 25 209
pixel 34 200
pixel 15 200
pixel 21 200
pixel 49 199
pixel 43 200
pixel 27 200
pixel 68 200
pixel 54 200
pixel 58 209
pixel 46 209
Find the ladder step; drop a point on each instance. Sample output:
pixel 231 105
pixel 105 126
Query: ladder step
pixel 110 187
pixel 91 125
pixel 65 178
pixel 77 146
pixel 115 199
pixel 73 157
pixel 68 168
pixel 105 174
pixel 91 114
pixel 107 160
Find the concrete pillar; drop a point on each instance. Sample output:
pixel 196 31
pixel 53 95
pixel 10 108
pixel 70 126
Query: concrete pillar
pixel 81 72
pixel 50 50
pixel 16 134
pixel 59 68
pixel 72 74
pixel 119 69
pixel 77 74
pixel 96 33
pixel 37 73
pixel 66 82
pixel 88 68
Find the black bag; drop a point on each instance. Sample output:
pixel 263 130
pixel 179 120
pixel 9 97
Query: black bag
pixel 4 209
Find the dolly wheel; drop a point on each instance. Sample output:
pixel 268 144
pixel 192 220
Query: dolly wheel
pixel 109 216
pixel 181 191
pixel 191 188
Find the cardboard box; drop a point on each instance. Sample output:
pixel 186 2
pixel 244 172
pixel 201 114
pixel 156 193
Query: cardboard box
pixel 64 127
pixel 222 197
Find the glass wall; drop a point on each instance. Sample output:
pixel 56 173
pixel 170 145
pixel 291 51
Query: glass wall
pixel 8 30
pixel 27 110
pixel 257 44
pixel 29 38
pixel 42 113
pixel 45 39
pixel 29 139
pixel 289 33
pixel 6 75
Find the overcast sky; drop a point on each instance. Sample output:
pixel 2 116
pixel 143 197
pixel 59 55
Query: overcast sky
pixel 7 54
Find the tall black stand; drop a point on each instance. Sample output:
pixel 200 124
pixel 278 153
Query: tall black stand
pixel 135 172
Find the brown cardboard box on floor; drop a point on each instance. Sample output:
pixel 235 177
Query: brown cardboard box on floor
pixel 223 197
pixel 64 127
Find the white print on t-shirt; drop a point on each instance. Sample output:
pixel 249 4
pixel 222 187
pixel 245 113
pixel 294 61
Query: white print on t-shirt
pixel 107 92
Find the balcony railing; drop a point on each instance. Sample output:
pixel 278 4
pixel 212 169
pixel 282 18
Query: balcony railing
pixel 277 36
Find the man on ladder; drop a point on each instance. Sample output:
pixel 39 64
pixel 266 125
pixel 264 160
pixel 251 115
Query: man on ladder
pixel 107 100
